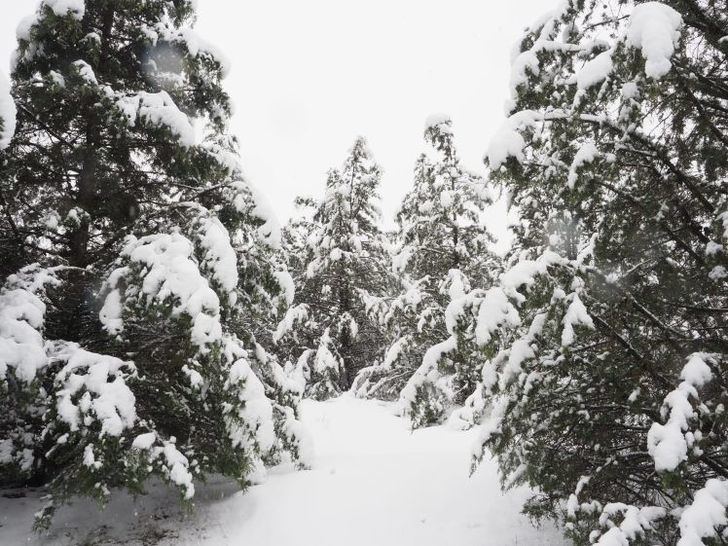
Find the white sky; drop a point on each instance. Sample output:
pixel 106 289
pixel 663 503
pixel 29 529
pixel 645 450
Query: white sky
pixel 308 76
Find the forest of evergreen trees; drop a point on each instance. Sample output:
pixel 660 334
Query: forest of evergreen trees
pixel 156 322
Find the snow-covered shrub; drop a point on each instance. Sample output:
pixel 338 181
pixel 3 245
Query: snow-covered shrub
pixel 162 308
pixel 89 423
pixel 174 302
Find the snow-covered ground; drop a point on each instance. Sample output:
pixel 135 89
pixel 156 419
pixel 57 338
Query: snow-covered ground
pixel 373 483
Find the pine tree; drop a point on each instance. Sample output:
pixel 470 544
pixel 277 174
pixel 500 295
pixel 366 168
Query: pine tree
pixel 135 345
pixel 603 345
pixel 340 259
pixel 440 245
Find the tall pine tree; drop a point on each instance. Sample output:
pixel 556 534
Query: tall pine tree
pixel 340 259
pixel 134 345
pixel 441 246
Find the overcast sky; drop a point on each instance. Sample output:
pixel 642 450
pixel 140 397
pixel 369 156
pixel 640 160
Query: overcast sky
pixel 308 76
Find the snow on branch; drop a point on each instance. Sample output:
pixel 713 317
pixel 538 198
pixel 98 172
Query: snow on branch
pixel 495 310
pixel 595 70
pixel 72 8
pixel 158 109
pixel 635 521
pixel 168 274
pixel 509 142
pixel 294 315
pixel 173 465
pixel 85 71
pixel 92 387
pixel 218 254
pixel 248 199
pixel 522 350
pixel 441 121
pixel 668 444
pixel 21 343
pixel 22 315
pixel 705 515
pixel 587 153
pixel 576 315
pixel 654 28
pixel 285 282
pixel 249 423
pixel 426 372
pixel 197 46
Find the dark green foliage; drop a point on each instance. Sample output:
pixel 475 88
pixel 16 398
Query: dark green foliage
pixel 441 247
pixel 619 176
pixel 338 256
pixel 160 275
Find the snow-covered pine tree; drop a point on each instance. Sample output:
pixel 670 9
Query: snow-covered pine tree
pixel 338 255
pixel 441 246
pixel 122 182
pixel 605 342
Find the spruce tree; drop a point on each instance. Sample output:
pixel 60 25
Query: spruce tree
pixel 135 345
pixel 440 247
pixel 338 256
pixel 603 345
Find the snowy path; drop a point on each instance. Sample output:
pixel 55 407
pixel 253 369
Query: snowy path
pixel 374 483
